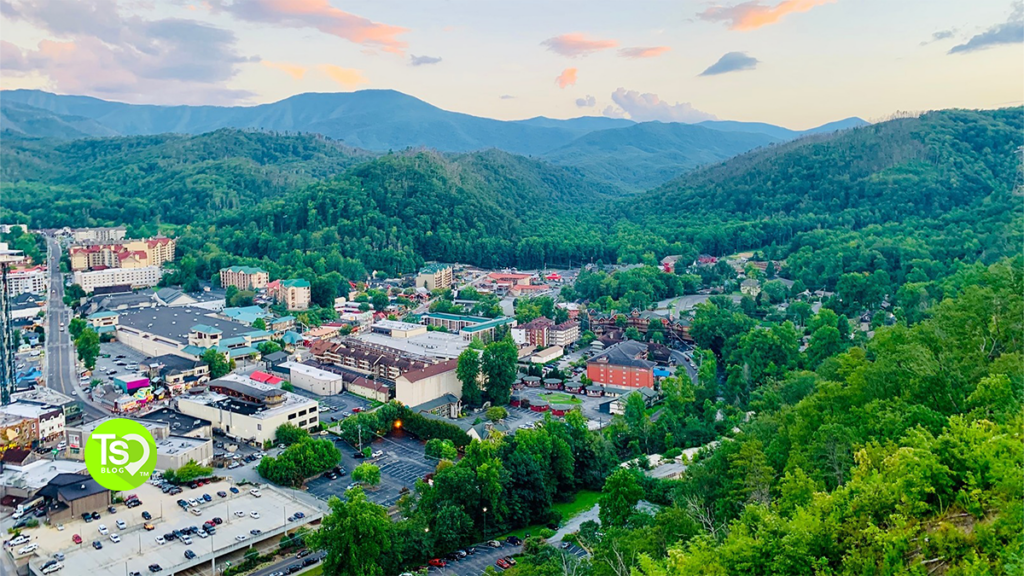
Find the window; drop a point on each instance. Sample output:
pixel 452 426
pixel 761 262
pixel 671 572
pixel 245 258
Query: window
pixel 302 412
pixel 259 426
pixel 302 423
pixel 291 416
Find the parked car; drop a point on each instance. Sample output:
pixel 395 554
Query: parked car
pixel 377 453
pixel 155 568
pixel 111 509
pixel 207 497
pixel 95 515
pixel 254 515
pixel 255 531
pixel 115 538
pixel 147 516
pixel 510 560
pixel 494 544
pixel 255 493
pixel 97 544
pixel 217 520
pixel 120 524
pixel 501 563
pixel 190 554
pixel 239 513
pixel 222 494
pixel 148 527
pixel 233 490
pixel 76 538
pixel 241 537
pixel 161 540
pixel 87 517
pixel 103 529
pixel 437 563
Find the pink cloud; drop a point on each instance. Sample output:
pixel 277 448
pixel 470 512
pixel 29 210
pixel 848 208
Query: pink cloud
pixel 577 44
pixel 753 14
pixel 321 15
pixel 293 70
pixel 643 52
pixel 346 77
pixel 566 78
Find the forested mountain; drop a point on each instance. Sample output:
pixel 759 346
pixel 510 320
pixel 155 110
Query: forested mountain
pixel 778 131
pixel 644 155
pixel 24 120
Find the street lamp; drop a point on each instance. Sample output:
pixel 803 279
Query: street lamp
pixel 485 522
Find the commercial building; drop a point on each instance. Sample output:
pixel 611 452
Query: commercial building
pixel 77 435
pixel 549 354
pixel 396 329
pixel 177 373
pixel 544 332
pixel 40 394
pixel 186 332
pixel 149 252
pixel 89 235
pixel 418 387
pixel 382 362
pixel 371 389
pixel 244 277
pixel 69 496
pixel 179 424
pixel 434 277
pixel 27 281
pixel 623 365
pixel 17 431
pixel 249 411
pixel 313 379
pixel 142 277
pixel 293 293
pixel 45 422
pixel 173 452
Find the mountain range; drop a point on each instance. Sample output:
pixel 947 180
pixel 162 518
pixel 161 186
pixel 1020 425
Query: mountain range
pixel 633 156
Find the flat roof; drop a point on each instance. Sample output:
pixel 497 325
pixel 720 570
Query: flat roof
pixel 431 344
pixel 175 323
pixel 176 444
pixel 178 422
pixel 43 394
pixel 39 473
pixel 238 406
pixel 396 325
pixel 311 371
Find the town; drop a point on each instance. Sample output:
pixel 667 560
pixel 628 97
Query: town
pixel 224 372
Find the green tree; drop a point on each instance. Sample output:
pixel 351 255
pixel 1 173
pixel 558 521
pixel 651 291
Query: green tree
pixel 467 370
pixel 88 346
pixel 825 342
pixel 619 497
pixel 441 449
pixel 76 327
pixel 367 474
pixel 499 367
pixel 268 347
pixel 633 334
pixel 259 324
pixel 357 536
pixel 380 301
pixel 218 363
pixel 289 434
pixel 496 413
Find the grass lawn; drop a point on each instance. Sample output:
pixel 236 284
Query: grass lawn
pixel 585 500
pixel 560 398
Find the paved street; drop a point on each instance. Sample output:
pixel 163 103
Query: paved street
pixel 61 374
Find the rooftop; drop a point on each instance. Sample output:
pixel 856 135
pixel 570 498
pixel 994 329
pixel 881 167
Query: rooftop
pixel 70 487
pixel 455 317
pixel 295 283
pixel 34 476
pixel 311 371
pixel 179 423
pixel 431 344
pixel 175 323
pixel 176 444
pixel 628 353
pixel 429 371
pixel 241 385
pixel 434 268
pixel 43 394
pixel 396 325
pixel 245 270
pixel 492 323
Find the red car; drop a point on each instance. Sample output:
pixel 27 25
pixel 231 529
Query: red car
pixel 76 539
pixel 501 563
pixel 437 563
pixel 357 410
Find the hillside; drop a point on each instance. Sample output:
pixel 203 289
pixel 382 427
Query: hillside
pixel 645 155
pixel 22 120
pixel 159 179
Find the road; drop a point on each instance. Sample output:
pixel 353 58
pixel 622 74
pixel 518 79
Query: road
pixel 61 371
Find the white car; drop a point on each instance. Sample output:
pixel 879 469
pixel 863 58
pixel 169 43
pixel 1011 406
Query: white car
pixel 115 538
pixel 377 454
pixel 103 529
pixel 192 502
pixel 202 534
pixel 241 537
pixel 239 513
pixel 120 524
pixel 28 548
pixel 255 515
pixel 255 492
pixel 23 538
pixel 52 568
pixel 186 540
pixel 196 511
pixel 160 540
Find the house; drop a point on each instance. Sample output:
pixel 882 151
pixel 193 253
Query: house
pixel 427 384
pixel 624 364
pixel 445 406
pixel 435 276
pixel 668 263
pixel 485 430
pixel 244 277
pixel 750 287
pixel 618 406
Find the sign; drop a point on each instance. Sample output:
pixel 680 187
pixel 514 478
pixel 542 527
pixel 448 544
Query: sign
pixel 120 454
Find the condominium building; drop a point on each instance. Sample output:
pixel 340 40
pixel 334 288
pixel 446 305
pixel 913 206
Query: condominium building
pixel 544 332
pixel 122 254
pixel 135 277
pixel 435 277
pixel 244 277
pixel 27 281
pixel 293 293
pixel 110 234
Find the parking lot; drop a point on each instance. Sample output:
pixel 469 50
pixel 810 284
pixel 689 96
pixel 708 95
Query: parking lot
pixel 118 366
pixel 401 465
pixel 139 548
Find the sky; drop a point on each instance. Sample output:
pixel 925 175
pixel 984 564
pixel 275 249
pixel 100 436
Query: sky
pixel 795 63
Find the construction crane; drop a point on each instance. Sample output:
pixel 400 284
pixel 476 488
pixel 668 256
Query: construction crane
pixel 7 349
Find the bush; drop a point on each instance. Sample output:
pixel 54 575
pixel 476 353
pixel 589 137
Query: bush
pixel 187 473
pixel 672 453
pixel 546 533
pixel 289 434
pixel 32 523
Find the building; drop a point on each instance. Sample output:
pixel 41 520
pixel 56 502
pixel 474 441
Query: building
pixel 68 496
pixel 179 424
pixel 313 379
pixel 249 411
pixel 103 322
pixel 544 332
pixel 72 408
pixel 92 235
pixel 244 277
pixel 177 373
pixel 186 332
pixel 17 431
pixel 446 406
pixel 27 281
pixel 45 422
pixel 549 354
pixel 668 263
pixel 131 383
pixel 624 365
pixel 27 306
pixel 370 389
pixel 7 228
pixel 380 361
pixel 173 452
pixel 618 406
pixel 750 287
pixel 396 329
pixel 141 277
pixel 247 315
pixel 293 293
pixel 435 277
pixel 173 297
pixel 149 252
pixel 418 387
pixel 468 327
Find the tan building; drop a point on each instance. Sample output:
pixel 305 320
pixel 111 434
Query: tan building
pixel 435 277
pixel 111 234
pixel 244 277
pixel 124 254
pixel 293 293
pixel 422 386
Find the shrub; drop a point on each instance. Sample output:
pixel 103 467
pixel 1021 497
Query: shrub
pixel 546 533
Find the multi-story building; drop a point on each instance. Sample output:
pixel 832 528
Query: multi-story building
pixel 27 281
pixel 250 411
pixel 135 277
pixel 244 277
pixel 45 421
pixel 17 431
pixel 544 332
pixel 419 387
pixel 435 277
pixel 624 365
pixel 468 326
pixel 293 293
pixel 90 235
pixel 376 360
pixel 122 254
